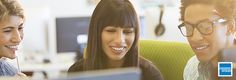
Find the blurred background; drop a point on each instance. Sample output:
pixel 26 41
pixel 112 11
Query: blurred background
pixel 56 31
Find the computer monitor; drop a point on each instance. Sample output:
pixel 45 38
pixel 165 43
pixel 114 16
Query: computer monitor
pixel 64 37
pixel 71 33
pixel 130 73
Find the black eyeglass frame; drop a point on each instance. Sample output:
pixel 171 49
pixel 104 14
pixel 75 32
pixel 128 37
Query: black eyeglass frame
pixel 197 24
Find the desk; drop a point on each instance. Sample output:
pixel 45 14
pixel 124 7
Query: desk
pixel 45 66
pixel 60 62
pixel 48 70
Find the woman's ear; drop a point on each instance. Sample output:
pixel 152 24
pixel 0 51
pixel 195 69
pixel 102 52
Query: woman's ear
pixel 231 30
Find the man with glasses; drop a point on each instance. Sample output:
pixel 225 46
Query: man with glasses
pixel 209 26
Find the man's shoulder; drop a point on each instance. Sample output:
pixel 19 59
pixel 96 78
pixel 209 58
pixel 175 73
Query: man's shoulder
pixel 192 61
pixel 191 69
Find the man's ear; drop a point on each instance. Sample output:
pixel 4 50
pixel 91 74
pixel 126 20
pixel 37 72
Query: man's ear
pixel 231 28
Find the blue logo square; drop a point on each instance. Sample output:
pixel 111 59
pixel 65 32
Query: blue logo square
pixel 225 69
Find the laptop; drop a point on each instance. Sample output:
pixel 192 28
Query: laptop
pixel 130 73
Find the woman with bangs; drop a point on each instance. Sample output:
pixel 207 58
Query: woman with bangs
pixel 113 41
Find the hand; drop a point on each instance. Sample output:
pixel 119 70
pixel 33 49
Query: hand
pixel 21 76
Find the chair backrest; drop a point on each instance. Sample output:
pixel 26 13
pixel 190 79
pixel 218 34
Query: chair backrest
pixel 169 57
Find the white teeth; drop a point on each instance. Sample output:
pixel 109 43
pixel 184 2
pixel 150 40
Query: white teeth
pixel 202 47
pixel 13 47
pixel 118 49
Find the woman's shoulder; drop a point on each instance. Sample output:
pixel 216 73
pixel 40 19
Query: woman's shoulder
pixel 77 66
pixel 149 70
pixel 143 62
pixel 7 69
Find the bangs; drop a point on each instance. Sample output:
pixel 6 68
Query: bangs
pixel 122 17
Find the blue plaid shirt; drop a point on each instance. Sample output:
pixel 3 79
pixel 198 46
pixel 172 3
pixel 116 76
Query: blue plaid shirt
pixel 7 69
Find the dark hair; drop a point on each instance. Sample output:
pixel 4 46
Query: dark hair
pixel 186 3
pixel 10 8
pixel 226 7
pixel 118 13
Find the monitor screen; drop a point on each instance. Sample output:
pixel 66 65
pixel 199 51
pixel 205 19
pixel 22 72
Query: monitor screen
pixel 130 73
pixel 71 33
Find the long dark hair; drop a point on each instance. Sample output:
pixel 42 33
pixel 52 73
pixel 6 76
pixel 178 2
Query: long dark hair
pixel 119 13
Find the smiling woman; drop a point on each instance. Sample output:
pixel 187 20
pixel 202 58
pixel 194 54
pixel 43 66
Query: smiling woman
pixel 113 41
pixel 11 34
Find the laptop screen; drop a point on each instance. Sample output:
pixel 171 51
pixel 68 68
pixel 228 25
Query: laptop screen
pixel 108 74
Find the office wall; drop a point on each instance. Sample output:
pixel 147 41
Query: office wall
pixel 170 20
pixel 68 8
pixel 35 40
pixel 41 14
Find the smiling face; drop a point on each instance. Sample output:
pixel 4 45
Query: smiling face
pixel 117 41
pixel 11 34
pixel 206 47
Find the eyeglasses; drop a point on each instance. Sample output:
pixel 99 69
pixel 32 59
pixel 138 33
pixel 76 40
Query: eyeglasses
pixel 205 27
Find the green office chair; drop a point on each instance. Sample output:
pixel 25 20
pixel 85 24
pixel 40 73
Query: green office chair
pixel 169 57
